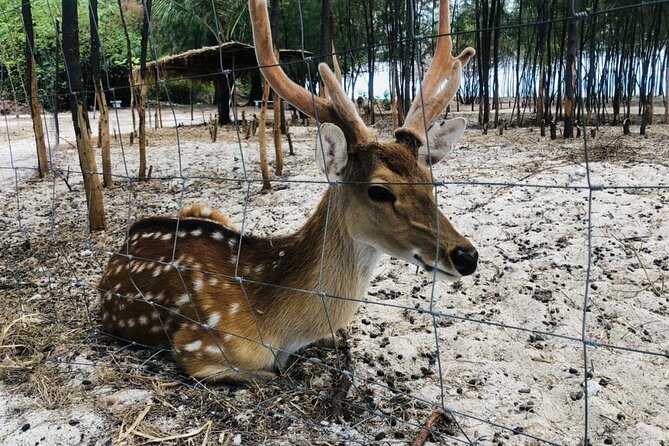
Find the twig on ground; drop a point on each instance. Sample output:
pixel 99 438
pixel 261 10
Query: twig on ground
pixel 425 430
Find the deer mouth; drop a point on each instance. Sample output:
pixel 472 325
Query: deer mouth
pixel 431 268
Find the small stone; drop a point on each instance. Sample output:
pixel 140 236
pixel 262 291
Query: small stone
pixel 608 440
pixel 523 390
pixel 86 253
pixel 603 382
pixel 237 439
pixel 575 396
pixel 593 388
pixel 73 422
pixel 380 436
pixel 25 427
pixel 573 371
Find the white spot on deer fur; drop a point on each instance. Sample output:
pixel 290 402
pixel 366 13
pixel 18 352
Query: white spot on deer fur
pixel 121 323
pixel 156 272
pixel 118 269
pixel 282 253
pixel 196 232
pixel 214 349
pixel 213 281
pixel 142 320
pixel 232 242
pixel 131 322
pixel 156 329
pixel 259 268
pixel 217 236
pixel 148 234
pixel 117 287
pixel 134 237
pixel 181 234
pixel 183 299
pixel 234 308
pixel 197 284
pixel 214 319
pixel 193 346
pixel 166 237
pixel 205 212
pixel 160 296
pixel 148 295
pixel 227 337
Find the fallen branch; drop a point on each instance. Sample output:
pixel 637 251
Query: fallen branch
pixel 426 428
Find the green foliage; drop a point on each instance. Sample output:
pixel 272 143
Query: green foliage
pixel 45 14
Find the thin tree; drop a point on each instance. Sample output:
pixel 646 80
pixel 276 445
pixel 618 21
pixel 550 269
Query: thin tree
pixel 128 52
pixel 82 129
pixel 570 75
pixel 103 122
pixel 143 80
pixel 35 108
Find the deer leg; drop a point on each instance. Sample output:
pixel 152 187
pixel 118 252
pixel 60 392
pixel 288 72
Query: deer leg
pixel 229 359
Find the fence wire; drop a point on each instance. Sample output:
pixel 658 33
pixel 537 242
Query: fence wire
pixel 465 419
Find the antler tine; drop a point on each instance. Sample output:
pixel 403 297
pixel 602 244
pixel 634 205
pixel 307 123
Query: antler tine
pixel 345 109
pixel 340 111
pixel 434 97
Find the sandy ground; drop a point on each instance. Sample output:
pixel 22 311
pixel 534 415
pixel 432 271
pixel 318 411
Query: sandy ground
pixel 510 355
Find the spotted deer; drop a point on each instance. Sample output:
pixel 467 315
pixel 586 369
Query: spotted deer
pixel 233 308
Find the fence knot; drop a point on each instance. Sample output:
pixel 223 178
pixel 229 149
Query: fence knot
pixel 596 187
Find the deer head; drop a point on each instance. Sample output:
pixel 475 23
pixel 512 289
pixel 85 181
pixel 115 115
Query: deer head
pixel 385 187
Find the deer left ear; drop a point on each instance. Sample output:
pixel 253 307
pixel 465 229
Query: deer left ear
pixel 441 137
pixel 331 151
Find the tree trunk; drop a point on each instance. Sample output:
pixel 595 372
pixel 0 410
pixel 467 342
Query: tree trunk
pixel 128 56
pixel 570 79
pixel 223 95
pixel 103 122
pixel 103 135
pixel 143 79
pixel 96 216
pixel 55 83
pixel 35 107
pixel 325 42
pixel 256 87
pixel 262 139
pixel 665 96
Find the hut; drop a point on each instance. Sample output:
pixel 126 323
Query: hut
pixel 220 64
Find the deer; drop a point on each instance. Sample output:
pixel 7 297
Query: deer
pixel 234 307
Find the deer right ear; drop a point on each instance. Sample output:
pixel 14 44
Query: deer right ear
pixel 331 151
pixel 442 136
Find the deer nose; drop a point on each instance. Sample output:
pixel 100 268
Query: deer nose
pixel 465 260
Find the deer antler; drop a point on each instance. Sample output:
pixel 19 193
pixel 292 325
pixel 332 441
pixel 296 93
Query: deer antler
pixel 339 110
pixel 434 95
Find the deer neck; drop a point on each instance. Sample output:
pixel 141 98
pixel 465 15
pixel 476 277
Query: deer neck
pixel 323 256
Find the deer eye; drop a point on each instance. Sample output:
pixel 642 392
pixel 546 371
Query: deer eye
pixel 380 194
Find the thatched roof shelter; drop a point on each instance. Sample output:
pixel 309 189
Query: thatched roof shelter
pixel 208 62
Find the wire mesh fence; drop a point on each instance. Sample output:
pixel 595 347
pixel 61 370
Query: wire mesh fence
pixel 560 337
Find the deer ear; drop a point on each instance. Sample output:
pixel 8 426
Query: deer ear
pixel 441 137
pixel 331 151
